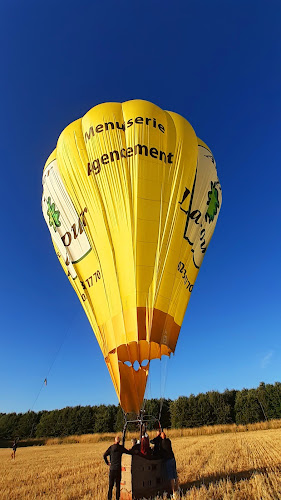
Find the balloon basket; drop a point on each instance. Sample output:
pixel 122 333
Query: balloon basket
pixel 142 478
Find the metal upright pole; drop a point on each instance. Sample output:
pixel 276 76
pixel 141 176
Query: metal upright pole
pixel 141 424
pixel 124 431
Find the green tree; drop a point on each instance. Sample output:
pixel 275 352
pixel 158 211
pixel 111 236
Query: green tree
pixel 27 424
pixel 247 407
pixel 9 425
pixel 276 397
pixel 194 414
pixel 165 419
pixel 119 422
pixel 86 420
pixel 179 410
pixel 205 410
pixel 152 409
pixel 105 417
pixel 48 425
pixel 229 397
pixel 221 411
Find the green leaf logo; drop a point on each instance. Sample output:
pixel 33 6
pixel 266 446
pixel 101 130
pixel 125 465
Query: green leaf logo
pixel 53 215
pixel 213 202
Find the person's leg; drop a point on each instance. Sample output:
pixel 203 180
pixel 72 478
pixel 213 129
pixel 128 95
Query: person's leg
pixel 110 484
pixel 174 476
pixel 117 482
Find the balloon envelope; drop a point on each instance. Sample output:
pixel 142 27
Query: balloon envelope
pixel 131 198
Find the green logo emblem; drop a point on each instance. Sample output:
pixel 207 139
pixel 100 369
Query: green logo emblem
pixel 53 215
pixel 213 202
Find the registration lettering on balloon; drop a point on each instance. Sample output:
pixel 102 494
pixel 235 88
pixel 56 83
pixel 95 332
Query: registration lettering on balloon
pixel 91 280
pixel 183 271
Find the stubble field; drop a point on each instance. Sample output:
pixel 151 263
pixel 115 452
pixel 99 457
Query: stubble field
pixel 222 466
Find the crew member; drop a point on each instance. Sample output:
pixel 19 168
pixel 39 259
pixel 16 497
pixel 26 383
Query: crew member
pixel 14 448
pixel 170 462
pixel 144 446
pixel 115 453
pixel 135 446
pixel 157 444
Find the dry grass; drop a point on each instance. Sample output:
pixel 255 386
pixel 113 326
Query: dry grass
pixel 236 466
pixel 173 433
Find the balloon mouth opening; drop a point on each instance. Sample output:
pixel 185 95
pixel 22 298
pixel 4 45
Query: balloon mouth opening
pixel 145 363
pixel 138 359
pixel 136 365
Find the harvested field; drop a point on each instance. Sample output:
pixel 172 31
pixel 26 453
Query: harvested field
pixel 242 465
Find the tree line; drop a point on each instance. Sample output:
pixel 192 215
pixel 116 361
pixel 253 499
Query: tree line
pixel 211 408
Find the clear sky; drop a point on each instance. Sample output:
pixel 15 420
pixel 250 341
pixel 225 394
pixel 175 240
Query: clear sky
pixel 217 63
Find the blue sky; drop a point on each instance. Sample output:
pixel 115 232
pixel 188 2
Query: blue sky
pixel 216 63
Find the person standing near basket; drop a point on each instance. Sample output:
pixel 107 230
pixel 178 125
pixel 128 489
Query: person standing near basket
pixel 170 463
pixel 115 452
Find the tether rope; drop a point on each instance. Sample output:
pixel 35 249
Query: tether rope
pixel 45 381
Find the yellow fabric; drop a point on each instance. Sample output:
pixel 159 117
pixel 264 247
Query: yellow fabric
pixel 118 192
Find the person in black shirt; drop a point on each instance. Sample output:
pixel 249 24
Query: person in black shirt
pixel 157 444
pixel 135 446
pixel 170 462
pixel 14 448
pixel 115 453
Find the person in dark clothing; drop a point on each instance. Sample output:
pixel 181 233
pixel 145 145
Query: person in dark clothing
pixel 115 453
pixel 14 448
pixel 157 444
pixel 170 462
pixel 144 446
pixel 135 446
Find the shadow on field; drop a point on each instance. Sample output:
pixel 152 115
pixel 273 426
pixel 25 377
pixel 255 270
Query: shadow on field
pixel 234 477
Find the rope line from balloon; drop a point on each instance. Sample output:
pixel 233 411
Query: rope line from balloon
pixel 67 334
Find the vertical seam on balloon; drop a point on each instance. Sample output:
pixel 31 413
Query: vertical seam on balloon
pixel 79 180
pixel 75 172
pixel 131 169
pixel 103 213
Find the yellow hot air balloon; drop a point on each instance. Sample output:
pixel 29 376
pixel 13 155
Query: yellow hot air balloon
pixel 131 198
